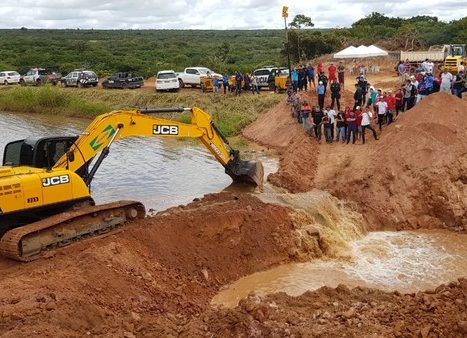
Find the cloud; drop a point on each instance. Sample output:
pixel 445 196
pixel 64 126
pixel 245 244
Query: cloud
pixel 209 14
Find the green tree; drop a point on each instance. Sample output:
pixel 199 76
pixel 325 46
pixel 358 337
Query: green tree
pixel 300 21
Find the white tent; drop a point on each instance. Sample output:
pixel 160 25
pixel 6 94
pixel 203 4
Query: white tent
pixel 348 52
pixel 360 52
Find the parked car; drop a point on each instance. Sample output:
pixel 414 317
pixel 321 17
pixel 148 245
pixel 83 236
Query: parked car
pixel 266 75
pixel 40 76
pixel 9 77
pixel 123 80
pixel 167 80
pixel 192 76
pixel 80 78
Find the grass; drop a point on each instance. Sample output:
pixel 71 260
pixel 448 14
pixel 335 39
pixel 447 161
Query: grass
pixel 230 113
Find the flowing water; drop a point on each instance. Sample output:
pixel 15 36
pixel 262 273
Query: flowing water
pixel 407 261
pixel 403 261
pixel 158 172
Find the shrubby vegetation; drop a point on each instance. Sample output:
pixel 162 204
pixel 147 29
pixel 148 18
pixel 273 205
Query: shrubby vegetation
pixel 414 33
pixel 141 51
pixel 230 113
pixel 148 51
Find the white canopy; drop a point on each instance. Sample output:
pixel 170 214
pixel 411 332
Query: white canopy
pixel 360 52
pixel 348 52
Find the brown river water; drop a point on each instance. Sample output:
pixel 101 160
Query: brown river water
pixel 166 172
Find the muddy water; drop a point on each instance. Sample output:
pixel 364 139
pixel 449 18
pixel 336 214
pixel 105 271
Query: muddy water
pixel 403 261
pixel 158 172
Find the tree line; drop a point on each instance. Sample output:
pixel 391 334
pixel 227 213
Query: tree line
pixel 147 51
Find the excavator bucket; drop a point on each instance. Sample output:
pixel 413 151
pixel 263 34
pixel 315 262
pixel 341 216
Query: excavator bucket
pixel 248 172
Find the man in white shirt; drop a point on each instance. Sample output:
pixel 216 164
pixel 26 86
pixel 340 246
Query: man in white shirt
pixel 382 107
pixel 461 67
pixel 366 123
pixel 427 66
pixel 332 117
pixel 446 80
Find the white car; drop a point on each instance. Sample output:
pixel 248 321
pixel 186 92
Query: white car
pixel 9 76
pixel 167 80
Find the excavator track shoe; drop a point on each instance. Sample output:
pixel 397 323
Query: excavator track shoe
pixel 29 242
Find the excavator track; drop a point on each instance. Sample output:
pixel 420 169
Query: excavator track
pixel 29 242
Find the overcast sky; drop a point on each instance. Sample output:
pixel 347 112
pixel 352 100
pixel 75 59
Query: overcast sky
pixel 209 14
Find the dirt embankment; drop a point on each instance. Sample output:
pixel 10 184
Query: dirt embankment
pixel 343 312
pixel 154 276
pixel 298 153
pixel 413 177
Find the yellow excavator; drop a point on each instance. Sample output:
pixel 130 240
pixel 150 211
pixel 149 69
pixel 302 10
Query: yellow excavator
pixel 45 197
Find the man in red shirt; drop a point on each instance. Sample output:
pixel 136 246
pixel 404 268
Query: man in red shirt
pixel 332 72
pixel 319 68
pixel 391 101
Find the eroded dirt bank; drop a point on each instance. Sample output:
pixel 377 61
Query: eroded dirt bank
pixel 343 312
pixel 153 277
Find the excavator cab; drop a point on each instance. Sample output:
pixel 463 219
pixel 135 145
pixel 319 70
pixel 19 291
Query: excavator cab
pixel 37 152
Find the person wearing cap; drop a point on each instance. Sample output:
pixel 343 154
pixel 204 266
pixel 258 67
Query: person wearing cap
pixel 321 90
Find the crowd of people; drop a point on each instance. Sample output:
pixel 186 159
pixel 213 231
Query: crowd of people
pixel 425 80
pixel 369 103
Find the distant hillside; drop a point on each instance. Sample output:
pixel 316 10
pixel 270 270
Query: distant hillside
pixel 143 51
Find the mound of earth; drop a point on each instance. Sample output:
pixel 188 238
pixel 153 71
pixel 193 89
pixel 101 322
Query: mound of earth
pixel 342 312
pixel 154 275
pixel 414 176
pixel 298 153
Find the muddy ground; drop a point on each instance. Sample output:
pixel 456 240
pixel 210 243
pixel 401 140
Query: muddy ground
pixel 156 277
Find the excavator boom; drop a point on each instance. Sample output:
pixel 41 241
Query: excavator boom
pixel 116 125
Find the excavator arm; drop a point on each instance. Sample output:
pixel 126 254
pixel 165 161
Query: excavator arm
pixel 107 128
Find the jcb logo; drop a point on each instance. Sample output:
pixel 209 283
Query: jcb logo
pixel 159 129
pixel 55 180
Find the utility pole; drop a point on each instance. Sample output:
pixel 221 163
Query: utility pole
pixel 285 14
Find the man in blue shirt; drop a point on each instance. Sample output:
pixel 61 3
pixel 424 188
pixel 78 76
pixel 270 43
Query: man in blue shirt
pixel 320 90
pixel 311 75
pixel 225 82
pixel 294 76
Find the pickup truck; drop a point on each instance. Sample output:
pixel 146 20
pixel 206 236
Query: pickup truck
pixel 123 80
pixel 192 76
pixel 40 76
